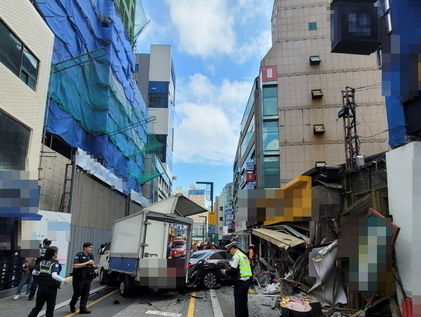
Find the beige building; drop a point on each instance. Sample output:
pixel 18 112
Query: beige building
pixel 310 95
pixel 26 45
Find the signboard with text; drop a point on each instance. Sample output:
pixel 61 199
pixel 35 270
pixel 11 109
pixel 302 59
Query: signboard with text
pixel 269 73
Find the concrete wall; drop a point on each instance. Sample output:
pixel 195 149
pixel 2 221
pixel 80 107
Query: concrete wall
pixel 17 99
pixel 293 44
pixel 404 186
pixel 52 175
pixel 160 63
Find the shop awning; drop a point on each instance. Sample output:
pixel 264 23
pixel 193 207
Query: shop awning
pixel 277 238
pixel 177 204
pixel 30 216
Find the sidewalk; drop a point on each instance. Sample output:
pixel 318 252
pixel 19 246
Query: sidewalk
pixel 21 307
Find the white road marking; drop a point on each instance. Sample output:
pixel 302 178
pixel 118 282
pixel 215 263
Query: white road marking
pixel 217 311
pixel 162 313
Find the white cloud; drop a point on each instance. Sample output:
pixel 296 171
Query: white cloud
pixel 204 27
pixel 208 119
pixel 239 29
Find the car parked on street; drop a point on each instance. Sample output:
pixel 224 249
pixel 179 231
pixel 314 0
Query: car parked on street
pixel 205 268
pixel 178 248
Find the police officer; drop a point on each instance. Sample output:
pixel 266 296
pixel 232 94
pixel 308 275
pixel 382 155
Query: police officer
pixel 45 244
pixel 83 274
pixel 241 270
pixel 48 282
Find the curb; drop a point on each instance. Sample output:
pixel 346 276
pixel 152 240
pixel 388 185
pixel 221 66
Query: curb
pixel 66 302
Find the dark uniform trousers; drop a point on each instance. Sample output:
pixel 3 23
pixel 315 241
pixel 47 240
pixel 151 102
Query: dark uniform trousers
pixel 81 288
pixel 241 289
pixel 45 295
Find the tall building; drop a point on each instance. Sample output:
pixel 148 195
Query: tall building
pixel 199 220
pixel 156 81
pixel 96 128
pixel 25 59
pixel 290 123
pixel 226 216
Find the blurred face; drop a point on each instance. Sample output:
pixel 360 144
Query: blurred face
pixel 233 250
pixel 88 249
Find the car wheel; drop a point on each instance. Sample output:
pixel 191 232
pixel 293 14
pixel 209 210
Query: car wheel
pixel 210 280
pixel 124 287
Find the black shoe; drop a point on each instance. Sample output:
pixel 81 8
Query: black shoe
pixel 84 311
pixel 72 308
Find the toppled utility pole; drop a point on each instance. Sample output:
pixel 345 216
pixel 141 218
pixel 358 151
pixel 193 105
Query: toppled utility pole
pixel 352 140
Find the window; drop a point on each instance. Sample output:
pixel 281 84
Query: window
pixel 270 100
pixel 221 218
pixel 247 138
pixel 359 24
pixel 217 256
pixel 158 94
pixel 14 142
pixel 15 56
pixel 271 172
pixel 312 26
pixel 270 134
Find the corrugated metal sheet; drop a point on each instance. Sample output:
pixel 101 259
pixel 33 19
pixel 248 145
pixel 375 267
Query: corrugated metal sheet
pixel 94 204
pixel 80 235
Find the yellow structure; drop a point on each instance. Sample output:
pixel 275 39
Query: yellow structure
pixel 296 205
pixel 212 218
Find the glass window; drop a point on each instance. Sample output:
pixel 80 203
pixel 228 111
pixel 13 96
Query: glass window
pixel 14 141
pixel 271 172
pixel 247 138
pixel 10 49
pixel 359 24
pixel 270 101
pixel 312 26
pixel 270 133
pixel 17 58
pixel 217 256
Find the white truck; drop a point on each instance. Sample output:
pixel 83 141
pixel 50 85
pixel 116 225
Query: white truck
pixel 139 252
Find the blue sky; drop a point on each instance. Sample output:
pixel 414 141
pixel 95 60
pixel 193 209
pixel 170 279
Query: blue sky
pixel 217 47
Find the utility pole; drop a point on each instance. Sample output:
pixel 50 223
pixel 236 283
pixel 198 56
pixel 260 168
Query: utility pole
pixel 352 140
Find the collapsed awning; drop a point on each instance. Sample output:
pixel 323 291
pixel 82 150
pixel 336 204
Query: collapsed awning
pixel 178 204
pixel 277 238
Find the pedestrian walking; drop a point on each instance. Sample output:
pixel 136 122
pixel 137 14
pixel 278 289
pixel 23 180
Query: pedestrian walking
pixel 48 282
pixel 45 244
pixel 83 274
pixel 26 277
pixel 252 256
pixel 241 270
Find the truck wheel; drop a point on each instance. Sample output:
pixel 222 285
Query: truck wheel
pixel 210 280
pixel 125 286
pixel 103 278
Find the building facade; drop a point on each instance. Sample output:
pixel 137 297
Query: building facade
pixel 127 9
pixel 155 78
pixel 26 45
pixel 290 123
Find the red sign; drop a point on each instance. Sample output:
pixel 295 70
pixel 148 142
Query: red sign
pixel 269 73
pixel 250 177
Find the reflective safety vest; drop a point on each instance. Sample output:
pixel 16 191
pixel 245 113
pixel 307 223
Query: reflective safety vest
pixel 45 275
pixel 243 265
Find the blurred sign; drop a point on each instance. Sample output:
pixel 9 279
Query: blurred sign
pixel 211 229
pixel 250 166
pixel 250 177
pixel 269 73
pixel 251 185
pixel 229 217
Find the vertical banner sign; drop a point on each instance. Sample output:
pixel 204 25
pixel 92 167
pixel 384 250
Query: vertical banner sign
pixel 269 73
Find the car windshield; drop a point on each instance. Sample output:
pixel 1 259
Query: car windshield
pixel 178 246
pixel 198 255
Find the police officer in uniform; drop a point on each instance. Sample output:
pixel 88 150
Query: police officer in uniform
pixel 83 274
pixel 45 244
pixel 241 270
pixel 48 282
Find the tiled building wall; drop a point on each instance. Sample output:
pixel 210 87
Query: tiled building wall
pixel 293 44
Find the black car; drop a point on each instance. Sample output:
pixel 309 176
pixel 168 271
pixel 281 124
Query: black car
pixel 205 268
